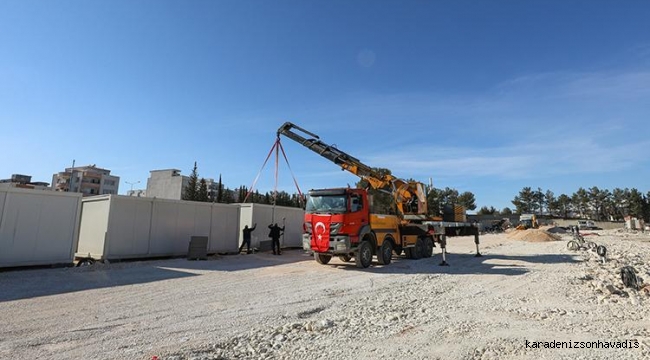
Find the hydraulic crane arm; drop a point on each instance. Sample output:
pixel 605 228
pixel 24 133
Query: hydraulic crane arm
pixel 406 193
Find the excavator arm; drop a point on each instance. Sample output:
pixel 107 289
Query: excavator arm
pixel 409 195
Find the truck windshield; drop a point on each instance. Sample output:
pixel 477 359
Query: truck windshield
pixel 326 204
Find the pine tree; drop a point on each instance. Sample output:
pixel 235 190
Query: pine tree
pixel 524 201
pixel 228 196
pixel 191 189
pixel 202 194
pixel 635 199
pixel 468 200
pixel 580 201
pixel 220 191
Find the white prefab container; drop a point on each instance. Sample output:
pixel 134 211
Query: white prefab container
pixel 38 227
pixel 264 215
pixel 123 227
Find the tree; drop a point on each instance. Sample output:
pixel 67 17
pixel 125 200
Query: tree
pixel 450 196
pixel 636 201
pixel 524 201
pixel 191 189
pixel 538 201
pixel 434 201
pixel 551 203
pixel 283 198
pixel 202 193
pixel 580 200
pixel 484 210
pixel 619 203
pixel 597 200
pixel 506 211
pixel 646 208
pixel 241 193
pixel 437 199
pixel 220 198
pixel 564 205
pixel 468 200
pixel 298 200
pixel 228 196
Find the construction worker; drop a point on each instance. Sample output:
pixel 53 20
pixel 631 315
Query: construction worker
pixel 246 232
pixel 275 234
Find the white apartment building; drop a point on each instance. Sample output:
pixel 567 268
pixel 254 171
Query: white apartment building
pixel 170 184
pixel 88 180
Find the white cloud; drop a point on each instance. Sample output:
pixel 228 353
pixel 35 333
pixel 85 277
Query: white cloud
pixel 524 160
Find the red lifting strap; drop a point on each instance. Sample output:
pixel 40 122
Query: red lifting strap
pixel 277 146
pixel 250 191
pixel 291 171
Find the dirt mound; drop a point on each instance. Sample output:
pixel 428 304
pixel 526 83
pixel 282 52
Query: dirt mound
pixel 556 230
pixel 533 235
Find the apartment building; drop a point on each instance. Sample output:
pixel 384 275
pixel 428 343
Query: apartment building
pixel 89 180
pixel 170 184
pixel 25 182
pixel 166 184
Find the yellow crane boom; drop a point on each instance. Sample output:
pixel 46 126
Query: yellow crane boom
pixel 409 196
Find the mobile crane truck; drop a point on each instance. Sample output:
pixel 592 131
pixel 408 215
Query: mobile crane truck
pixel 339 221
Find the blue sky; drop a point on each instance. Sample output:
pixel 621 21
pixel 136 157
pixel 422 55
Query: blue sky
pixel 487 97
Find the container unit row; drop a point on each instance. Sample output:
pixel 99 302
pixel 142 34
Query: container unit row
pixel 38 227
pixel 47 228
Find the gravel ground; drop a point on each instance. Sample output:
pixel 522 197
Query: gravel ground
pixel 262 306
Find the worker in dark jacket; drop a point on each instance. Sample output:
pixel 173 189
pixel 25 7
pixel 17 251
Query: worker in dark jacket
pixel 247 238
pixel 275 234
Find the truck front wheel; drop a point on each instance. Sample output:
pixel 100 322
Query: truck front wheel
pixel 322 259
pixel 363 257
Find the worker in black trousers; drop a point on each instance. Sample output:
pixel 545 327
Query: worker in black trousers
pixel 246 232
pixel 275 234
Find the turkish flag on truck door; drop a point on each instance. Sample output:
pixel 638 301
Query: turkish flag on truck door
pixel 320 233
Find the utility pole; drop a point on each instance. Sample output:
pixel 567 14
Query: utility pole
pixel 132 183
pixel 71 176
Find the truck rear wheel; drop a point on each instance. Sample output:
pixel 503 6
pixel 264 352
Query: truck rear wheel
pixel 428 247
pixel 385 253
pixel 418 251
pixel 322 259
pixel 363 256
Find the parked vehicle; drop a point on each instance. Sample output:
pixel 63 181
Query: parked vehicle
pixel 586 225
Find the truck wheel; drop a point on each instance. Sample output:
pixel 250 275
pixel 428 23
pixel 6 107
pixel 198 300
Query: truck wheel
pixel 428 247
pixel 409 253
pixel 385 253
pixel 363 257
pixel 345 258
pixel 322 259
pixel 418 250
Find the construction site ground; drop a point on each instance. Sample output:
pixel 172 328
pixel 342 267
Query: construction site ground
pixel 509 304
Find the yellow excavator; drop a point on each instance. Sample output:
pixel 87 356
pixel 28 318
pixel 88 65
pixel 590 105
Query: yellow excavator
pixel 527 221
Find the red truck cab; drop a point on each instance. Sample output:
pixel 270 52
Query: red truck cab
pixel 335 219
